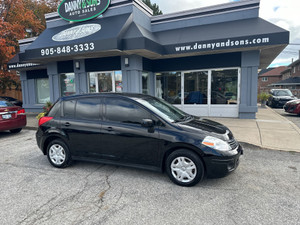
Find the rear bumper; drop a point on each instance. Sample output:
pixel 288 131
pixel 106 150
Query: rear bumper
pixel 221 166
pixel 12 124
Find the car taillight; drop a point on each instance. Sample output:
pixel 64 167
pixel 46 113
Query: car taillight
pixel 21 112
pixel 44 120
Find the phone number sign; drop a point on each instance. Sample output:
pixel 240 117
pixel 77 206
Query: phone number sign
pixel 68 49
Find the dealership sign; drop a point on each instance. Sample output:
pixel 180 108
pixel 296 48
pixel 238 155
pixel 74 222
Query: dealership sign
pixel 81 10
pixel 77 32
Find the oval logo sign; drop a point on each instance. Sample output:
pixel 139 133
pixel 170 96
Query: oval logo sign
pixel 81 10
pixel 77 32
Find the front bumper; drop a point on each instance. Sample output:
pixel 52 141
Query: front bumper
pixel 220 166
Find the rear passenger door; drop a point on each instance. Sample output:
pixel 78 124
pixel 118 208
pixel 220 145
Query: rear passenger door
pixel 124 139
pixel 81 123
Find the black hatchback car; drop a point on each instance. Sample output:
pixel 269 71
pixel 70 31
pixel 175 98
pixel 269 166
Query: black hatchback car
pixel 139 131
pixel 278 97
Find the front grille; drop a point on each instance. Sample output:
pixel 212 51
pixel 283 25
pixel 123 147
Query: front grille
pixel 233 143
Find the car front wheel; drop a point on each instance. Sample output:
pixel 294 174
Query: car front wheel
pixel 184 168
pixel 58 154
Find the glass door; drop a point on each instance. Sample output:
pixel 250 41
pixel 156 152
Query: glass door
pixel 195 95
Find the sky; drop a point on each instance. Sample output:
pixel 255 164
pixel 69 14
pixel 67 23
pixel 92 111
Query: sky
pixel 283 13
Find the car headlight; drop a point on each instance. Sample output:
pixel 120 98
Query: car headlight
pixel 216 143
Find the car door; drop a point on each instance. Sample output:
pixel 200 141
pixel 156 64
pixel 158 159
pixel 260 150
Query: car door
pixel 124 139
pixel 82 125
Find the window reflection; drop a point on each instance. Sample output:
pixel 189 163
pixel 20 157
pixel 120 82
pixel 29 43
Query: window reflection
pixel 67 84
pixel 195 87
pixel 224 86
pixel 105 81
pixel 168 87
pixel 145 83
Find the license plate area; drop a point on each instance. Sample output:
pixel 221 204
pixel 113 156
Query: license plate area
pixel 6 116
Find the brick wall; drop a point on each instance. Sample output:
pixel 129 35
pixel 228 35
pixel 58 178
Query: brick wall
pixel 295 70
pixel 263 85
pixel 12 93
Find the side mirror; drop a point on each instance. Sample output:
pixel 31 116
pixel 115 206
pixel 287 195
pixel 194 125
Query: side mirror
pixel 147 123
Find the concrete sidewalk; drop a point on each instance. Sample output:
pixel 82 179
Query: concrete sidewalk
pixel 269 130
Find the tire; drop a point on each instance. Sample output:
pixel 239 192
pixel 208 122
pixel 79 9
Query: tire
pixel 14 131
pixel 184 168
pixel 58 154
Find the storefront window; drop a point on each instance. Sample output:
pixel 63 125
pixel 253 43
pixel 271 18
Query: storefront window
pixel 118 81
pixel 42 91
pixel 67 84
pixel 168 87
pixel 195 87
pixel 224 86
pixel 145 82
pixel 103 81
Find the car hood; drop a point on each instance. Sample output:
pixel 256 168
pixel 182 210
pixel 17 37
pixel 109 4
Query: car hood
pixel 285 97
pixel 206 127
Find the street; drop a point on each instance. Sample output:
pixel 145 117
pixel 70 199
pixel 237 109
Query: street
pixel 265 189
pixel 291 117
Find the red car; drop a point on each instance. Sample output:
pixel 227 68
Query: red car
pixel 292 106
pixel 12 117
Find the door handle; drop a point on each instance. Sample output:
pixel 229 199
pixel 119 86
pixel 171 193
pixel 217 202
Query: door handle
pixel 67 124
pixel 109 129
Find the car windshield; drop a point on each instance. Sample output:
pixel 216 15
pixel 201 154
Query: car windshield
pixel 283 93
pixel 4 103
pixel 164 109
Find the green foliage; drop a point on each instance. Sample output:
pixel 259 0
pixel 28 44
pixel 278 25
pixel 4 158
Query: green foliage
pixel 46 109
pixel 263 96
pixel 154 7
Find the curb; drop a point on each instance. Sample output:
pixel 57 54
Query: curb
pixel 293 125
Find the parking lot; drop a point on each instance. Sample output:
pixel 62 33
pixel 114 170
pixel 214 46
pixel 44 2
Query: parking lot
pixel 265 189
pixel 291 117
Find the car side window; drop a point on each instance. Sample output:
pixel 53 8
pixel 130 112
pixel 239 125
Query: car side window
pixel 88 109
pixel 69 109
pixel 55 110
pixel 119 110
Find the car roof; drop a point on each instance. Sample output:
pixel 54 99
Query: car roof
pixel 108 94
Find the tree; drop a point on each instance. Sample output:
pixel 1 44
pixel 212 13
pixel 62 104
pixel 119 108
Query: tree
pixel 154 7
pixel 19 19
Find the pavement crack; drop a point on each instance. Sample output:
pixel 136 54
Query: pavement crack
pixel 260 136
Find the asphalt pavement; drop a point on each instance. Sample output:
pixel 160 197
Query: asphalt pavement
pixel 265 189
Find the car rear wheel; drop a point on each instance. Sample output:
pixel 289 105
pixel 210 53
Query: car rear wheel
pixel 58 154
pixel 14 131
pixel 184 168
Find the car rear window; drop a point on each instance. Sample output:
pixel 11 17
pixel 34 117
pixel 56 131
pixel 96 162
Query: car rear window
pixel 5 103
pixel 55 110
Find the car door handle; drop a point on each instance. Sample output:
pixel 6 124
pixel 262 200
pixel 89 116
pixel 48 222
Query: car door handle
pixel 109 129
pixel 67 124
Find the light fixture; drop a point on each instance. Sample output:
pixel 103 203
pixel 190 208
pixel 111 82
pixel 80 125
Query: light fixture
pixel 77 65
pixel 126 61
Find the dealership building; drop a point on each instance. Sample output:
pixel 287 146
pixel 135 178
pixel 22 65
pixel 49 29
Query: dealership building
pixel 204 61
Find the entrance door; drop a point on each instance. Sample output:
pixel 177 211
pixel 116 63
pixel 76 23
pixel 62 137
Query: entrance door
pixel 195 96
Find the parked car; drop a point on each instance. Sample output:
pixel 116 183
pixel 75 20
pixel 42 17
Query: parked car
pixel 292 107
pixel 279 97
pixel 13 100
pixel 12 117
pixel 138 131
